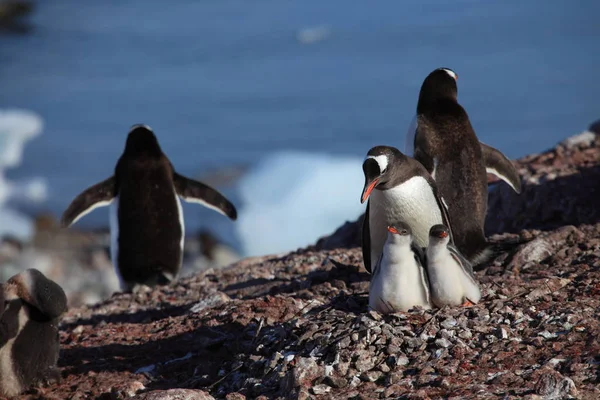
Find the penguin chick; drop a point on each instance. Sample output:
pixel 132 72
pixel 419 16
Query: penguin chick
pixel 451 277
pixel 399 280
pixel 31 306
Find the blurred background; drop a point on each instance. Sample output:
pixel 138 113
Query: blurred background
pixel 274 103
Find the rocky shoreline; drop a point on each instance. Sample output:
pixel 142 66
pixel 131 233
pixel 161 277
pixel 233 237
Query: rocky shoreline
pixel 297 325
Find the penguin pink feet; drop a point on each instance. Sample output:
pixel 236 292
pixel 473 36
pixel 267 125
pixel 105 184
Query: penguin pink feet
pixel 467 303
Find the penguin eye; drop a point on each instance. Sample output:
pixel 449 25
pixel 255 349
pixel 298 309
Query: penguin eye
pixel 404 232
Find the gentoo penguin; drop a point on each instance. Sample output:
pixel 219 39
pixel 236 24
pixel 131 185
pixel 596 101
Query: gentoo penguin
pixel 400 190
pixel 146 219
pixel 31 306
pixel 399 280
pixel 446 144
pixel 451 278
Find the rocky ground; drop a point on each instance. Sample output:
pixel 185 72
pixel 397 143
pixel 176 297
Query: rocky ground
pixel 297 325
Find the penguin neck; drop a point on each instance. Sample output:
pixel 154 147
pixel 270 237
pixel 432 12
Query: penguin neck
pixel 437 103
pixel 397 250
pixel 437 251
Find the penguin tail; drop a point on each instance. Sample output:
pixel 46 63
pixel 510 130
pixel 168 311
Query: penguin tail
pixel 491 250
pixel 480 258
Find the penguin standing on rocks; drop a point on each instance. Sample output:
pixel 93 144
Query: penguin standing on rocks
pixel 31 305
pixel 399 189
pixel 451 276
pixel 399 280
pixel 146 219
pixel 446 144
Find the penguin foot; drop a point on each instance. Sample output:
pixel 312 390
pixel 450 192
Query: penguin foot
pixel 51 376
pixel 467 303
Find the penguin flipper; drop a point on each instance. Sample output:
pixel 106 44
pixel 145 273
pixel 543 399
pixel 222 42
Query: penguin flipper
pixel 99 195
pixel 445 214
pixel 9 326
pixel 366 240
pixel 197 192
pixel 421 260
pixel 377 267
pixel 465 264
pixel 497 164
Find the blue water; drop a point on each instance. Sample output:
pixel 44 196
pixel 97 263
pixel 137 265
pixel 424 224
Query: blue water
pixel 226 83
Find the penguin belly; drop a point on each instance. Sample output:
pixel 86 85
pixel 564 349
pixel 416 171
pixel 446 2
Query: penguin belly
pixel 413 203
pixel 445 281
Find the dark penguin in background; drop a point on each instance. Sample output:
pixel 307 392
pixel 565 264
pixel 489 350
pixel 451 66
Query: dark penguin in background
pixel 146 219
pixel 446 144
pixel 30 307
pixel 399 189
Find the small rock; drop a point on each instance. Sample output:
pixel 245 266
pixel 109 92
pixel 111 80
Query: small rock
pixel 553 386
pixel 365 361
pixel 466 334
pixel 502 333
pixel 306 370
pixel 547 335
pixel 174 394
pixel 78 330
pixel 355 381
pixel 336 381
pixel 321 389
pixel 235 396
pixel 402 360
pixel 445 343
pixel 371 376
pixel 128 389
pixel 449 323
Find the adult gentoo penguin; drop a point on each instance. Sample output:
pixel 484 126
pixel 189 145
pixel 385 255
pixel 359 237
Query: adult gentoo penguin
pixel 446 144
pixel 146 219
pixel 399 280
pixel 30 308
pixel 451 276
pixel 400 190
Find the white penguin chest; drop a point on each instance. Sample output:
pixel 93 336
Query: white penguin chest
pixel 10 384
pixel 412 202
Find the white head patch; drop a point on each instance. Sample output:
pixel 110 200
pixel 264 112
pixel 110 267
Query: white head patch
pixel 451 73
pixel 382 161
pixel 136 126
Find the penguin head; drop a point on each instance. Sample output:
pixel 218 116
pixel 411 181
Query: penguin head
pixel 400 232
pixel 379 166
pixel 440 83
pixel 439 234
pixel 142 141
pixel 38 291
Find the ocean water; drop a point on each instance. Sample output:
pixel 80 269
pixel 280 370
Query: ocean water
pixel 277 88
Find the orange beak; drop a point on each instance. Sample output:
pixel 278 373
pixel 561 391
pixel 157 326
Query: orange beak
pixel 393 230
pixel 443 235
pixel 368 189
